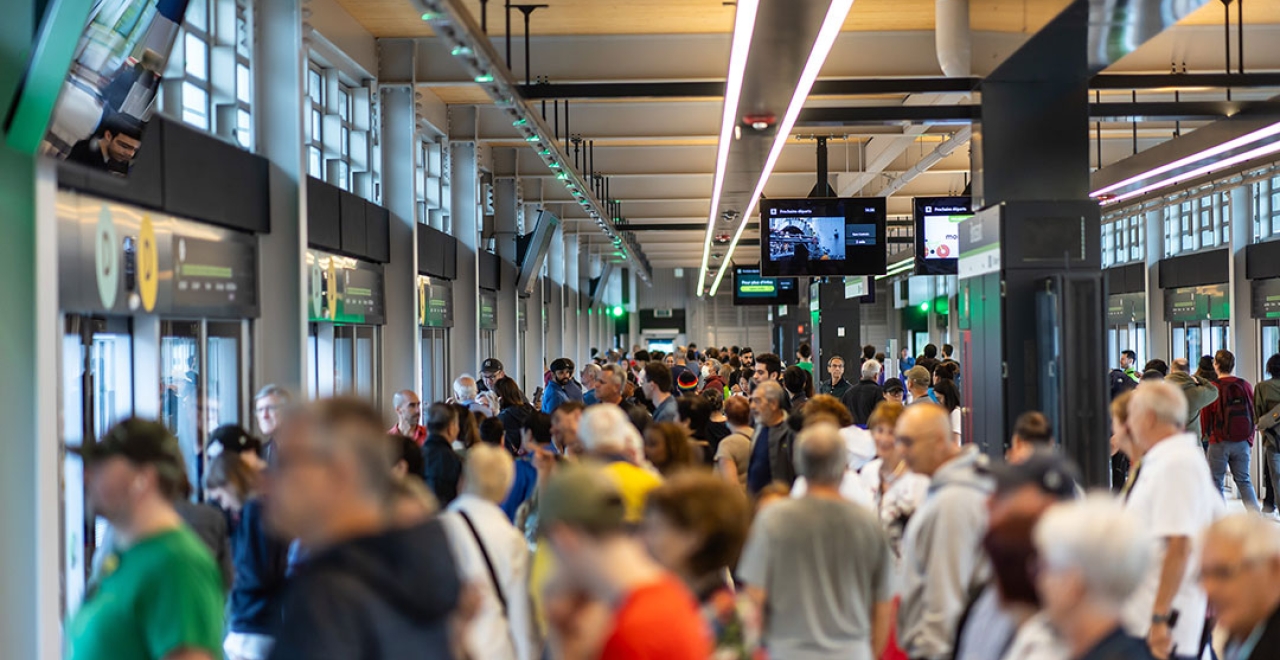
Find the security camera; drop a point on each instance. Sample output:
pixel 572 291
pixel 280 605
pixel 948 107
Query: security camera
pixel 761 121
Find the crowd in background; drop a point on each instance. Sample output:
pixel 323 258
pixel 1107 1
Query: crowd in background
pixel 698 504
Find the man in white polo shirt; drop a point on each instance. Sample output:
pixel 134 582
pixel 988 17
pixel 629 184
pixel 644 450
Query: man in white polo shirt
pixel 1174 495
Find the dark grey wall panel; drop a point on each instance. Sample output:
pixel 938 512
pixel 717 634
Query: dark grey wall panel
pixel 377 232
pixel 1199 269
pixel 211 180
pixel 490 271
pixel 354 238
pixel 324 215
pixel 1130 278
pixel 1262 260
pixel 437 253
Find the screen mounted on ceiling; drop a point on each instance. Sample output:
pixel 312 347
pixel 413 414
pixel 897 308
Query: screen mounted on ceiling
pixel 752 288
pixel 109 94
pixel 937 233
pixel 825 236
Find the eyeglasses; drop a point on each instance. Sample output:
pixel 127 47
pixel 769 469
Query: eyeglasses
pixel 1225 572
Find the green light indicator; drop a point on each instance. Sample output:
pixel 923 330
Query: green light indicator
pixel 430 16
pixel 520 122
pixel 617 311
pixel 532 138
pixel 544 152
pixel 554 165
pixel 459 51
pixel 924 307
pixel 562 176
pixel 486 78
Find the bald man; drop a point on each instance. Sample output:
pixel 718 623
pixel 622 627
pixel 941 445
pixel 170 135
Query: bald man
pixel 942 558
pixel 408 416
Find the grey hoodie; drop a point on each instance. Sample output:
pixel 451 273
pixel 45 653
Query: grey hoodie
pixel 942 559
pixel 1200 393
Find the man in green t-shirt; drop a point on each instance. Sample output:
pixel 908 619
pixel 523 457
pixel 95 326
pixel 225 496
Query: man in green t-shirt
pixel 159 594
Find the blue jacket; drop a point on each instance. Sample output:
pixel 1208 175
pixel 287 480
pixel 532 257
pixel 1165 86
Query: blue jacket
pixel 257 594
pixel 526 479
pixel 556 394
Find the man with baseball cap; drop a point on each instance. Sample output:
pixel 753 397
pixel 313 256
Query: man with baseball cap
pixel 562 387
pixel 605 576
pixel 159 593
pixel 491 371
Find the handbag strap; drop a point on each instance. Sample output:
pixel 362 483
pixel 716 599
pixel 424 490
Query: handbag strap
pixel 493 574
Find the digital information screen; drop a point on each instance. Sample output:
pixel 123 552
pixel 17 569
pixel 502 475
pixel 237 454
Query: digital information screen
pixel 938 233
pixel 751 288
pixel 817 237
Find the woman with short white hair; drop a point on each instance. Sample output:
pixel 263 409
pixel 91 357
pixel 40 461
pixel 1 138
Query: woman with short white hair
pixel 1092 555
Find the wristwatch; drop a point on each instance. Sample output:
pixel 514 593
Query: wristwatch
pixel 1158 619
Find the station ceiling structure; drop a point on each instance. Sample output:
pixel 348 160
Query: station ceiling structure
pixel 643 83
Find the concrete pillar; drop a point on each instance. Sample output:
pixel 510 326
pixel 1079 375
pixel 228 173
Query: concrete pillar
pixel 1157 330
pixel 280 335
pixel 401 346
pixel 465 344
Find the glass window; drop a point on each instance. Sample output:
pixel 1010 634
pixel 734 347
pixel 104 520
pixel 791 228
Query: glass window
pixel 344 104
pixel 223 374
pixel 243 90
pixel 365 362
pixel 344 377
pixel 195 106
pixel 181 390
pixel 197 51
pixel 315 87
pixel 244 128
pixel 315 162
pixel 317 126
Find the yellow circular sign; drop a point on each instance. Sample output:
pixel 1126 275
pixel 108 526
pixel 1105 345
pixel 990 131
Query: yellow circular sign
pixel 331 289
pixel 148 264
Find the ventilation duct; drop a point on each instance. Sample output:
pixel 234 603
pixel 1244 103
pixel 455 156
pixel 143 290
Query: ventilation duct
pixel 955 52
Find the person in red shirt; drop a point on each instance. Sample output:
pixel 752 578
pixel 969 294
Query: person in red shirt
pixel 609 599
pixel 1231 425
pixel 408 417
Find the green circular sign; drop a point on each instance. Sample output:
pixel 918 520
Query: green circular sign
pixel 106 251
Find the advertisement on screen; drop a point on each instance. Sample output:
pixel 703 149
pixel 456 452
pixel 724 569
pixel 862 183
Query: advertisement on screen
pixel 937 232
pixel 110 92
pixel 819 237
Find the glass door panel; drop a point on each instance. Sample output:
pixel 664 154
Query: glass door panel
pixel 1270 343
pixel 1178 344
pixel 181 391
pixel 1113 346
pixel 224 374
pixel 313 361
pixel 1219 335
pixel 344 339
pixel 1139 333
pixel 366 363
pixel 1195 343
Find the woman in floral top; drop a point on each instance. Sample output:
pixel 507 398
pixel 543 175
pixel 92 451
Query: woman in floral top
pixel 695 525
pixel 895 490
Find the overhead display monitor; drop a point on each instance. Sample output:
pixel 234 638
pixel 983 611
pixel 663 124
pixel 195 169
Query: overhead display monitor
pixel 532 251
pixel 938 233
pixel 823 236
pixel 752 288
pixel 109 93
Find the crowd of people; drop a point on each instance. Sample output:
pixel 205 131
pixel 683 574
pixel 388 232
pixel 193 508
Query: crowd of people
pixel 702 504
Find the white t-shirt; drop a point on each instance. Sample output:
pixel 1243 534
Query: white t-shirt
pixel 1173 496
pixel 955 423
pixel 861 446
pixel 851 489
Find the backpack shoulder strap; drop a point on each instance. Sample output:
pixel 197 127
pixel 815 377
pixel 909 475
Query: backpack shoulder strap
pixel 493 574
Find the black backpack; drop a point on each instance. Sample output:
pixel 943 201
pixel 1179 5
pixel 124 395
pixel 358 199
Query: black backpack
pixel 1120 383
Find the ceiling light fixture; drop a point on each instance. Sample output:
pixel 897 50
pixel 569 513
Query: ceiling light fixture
pixel 1272 131
pixel 1245 157
pixel 831 26
pixel 744 25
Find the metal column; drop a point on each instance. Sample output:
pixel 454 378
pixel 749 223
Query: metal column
pixel 554 307
pixel 840 329
pixel 280 335
pixel 1244 330
pixel 572 300
pixel 401 337
pixel 1157 331
pixel 1046 283
pixel 506 219
pixel 465 337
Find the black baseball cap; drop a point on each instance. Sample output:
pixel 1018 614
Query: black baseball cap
pixel 491 365
pixel 234 438
pixel 1053 474
pixel 892 385
pixel 140 441
pixel 561 364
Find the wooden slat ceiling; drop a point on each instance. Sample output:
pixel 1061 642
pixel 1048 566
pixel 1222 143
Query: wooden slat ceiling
pixel 399 18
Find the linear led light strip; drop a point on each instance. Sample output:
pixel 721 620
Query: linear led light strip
pixel 831 26
pixel 1241 141
pixel 900 267
pixel 744 25
pixel 1264 150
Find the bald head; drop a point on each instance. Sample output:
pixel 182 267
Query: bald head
pixel 924 434
pixel 408 410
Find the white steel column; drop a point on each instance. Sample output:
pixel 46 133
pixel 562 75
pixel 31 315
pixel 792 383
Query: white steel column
pixel 466 216
pixel 535 337
pixel 1243 337
pixel 506 220
pixel 555 306
pixel 280 335
pixel 1157 330
pixel 572 307
pixel 401 343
